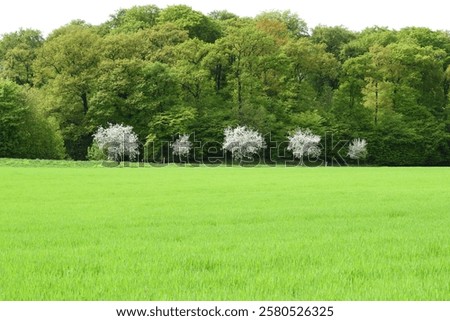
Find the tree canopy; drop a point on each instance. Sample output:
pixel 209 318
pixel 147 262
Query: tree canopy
pixel 174 71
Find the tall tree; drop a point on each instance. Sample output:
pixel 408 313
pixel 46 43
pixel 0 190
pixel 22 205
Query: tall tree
pixel 12 108
pixel 67 66
pixel 17 54
pixel 25 131
pixel 197 24
pixel 296 26
pixel 310 70
pixel 366 39
pixel 250 54
pixel 334 38
pixel 132 91
pixel 191 73
pixel 132 19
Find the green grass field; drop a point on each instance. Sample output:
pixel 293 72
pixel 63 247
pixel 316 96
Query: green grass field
pixel 224 233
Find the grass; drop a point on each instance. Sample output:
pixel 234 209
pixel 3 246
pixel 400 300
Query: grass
pixel 224 233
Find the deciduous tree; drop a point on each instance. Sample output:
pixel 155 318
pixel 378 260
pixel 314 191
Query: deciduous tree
pixel 357 149
pixel 242 142
pixel 117 141
pixel 182 146
pixel 18 50
pixel 304 143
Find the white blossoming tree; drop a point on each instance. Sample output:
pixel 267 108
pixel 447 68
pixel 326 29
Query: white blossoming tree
pixel 357 149
pixel 304 143
pixel 117 141
pixel 242 142
pixel 182 146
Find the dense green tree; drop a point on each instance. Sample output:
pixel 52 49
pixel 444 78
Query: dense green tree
pixel 366 39
pixel 132 19
pixel 132 91
pixel 191 73
pixel 164 127
pixel 222 15
pixel 296 26
pixel 247 50
pixel 274 28
pixel 25 131
pixel 399 142
pixel 310 71
pixel 417 74
pixel 117 46
pixel 17 54
pixel 157 43
pixel 40 133
pixel 425 37
pixel 177 71
pixel 118 97
pixel 334 38
pixel 12 108
pixel 197 24
pixel 66 67
pixel 402 77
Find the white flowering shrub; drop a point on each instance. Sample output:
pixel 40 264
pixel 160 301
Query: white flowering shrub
pixel 117 141
pixel 357 149
pixel 242 142
pixel 304 143
pixel 182 146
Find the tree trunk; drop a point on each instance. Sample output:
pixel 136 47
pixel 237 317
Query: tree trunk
pixel 376 103
pixel 239 92
pixel 85 102
pixel 218 77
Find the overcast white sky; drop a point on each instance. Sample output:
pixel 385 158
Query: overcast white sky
pixel 47 15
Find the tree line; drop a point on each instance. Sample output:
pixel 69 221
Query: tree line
pixel 177 71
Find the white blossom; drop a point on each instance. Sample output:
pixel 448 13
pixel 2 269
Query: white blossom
pixel 243 142
pixel 357 149
pixel 117 141
pixel 304 143
pixel 182 146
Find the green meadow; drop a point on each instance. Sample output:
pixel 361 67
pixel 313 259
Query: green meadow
pixel 224 233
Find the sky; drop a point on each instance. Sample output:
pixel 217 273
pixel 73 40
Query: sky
pixel 47 15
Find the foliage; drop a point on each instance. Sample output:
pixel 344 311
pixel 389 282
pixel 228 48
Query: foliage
pixel 242 142
pixel 25 131
pixel 197 24
pixel 41 136
pixel 397 141
pixel 18 50
pixel 163 127
pixel 222 15
pixel 182 146
pixel 176 70
pixel 66 67
pixel 357 149
pixel 95 153
pixel 334 38
pixel 304 143
pixel 132 19
pixel 296 26
pixel 117 141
